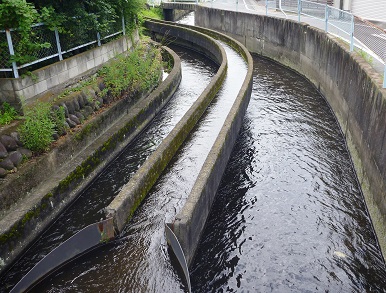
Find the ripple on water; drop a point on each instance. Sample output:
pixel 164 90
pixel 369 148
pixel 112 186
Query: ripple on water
pixel 89 207
pixel 289 215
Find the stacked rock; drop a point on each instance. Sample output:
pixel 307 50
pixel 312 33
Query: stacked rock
pixel 80 107
pixel 11 153
pixel 77 108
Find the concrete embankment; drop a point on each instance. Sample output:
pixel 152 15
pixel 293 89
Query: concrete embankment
pixel 131 195
pixel 348 82
pixel 75 162
pixel 190 221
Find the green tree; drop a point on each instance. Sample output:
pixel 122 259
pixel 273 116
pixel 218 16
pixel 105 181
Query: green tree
pixel 21 15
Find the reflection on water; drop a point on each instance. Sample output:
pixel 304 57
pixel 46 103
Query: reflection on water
pixel 289 215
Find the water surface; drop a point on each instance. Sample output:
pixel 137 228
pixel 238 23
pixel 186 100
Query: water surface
pixel 289 215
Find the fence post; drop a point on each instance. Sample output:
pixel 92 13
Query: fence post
pixel 58 44
pixel 123 25
pixel 299 9
pixel 326 18
pixel 352 33
pixel 11 52
pixel 266 7
pixel 99 39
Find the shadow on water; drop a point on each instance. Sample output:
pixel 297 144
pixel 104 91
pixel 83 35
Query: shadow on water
pixel 289 215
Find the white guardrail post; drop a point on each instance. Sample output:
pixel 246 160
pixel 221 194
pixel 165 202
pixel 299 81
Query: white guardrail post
pixel 352 33
pixel 58 44
pixel 299 9
pixel 384 77
pixel 11 52
pixel 123 26
pixel 326 18
pixel 99 39
pixel 266 7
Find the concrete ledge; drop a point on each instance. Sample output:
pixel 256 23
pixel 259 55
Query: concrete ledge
pixel 190 221
pixel 131 195
pixel 350 85
pixel 100 140
pixel 179 6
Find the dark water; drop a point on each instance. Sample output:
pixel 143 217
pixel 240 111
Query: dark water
pixel 89 207
pixel 289 215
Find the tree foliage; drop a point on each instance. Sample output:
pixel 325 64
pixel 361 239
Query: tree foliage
pixel 98 15
pixel 78 21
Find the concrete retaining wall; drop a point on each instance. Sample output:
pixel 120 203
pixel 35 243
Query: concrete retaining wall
pixel 351 87
pixel 51 79
pixel 61 179
pixel 131 195
pixel 190 221
pixel 174 14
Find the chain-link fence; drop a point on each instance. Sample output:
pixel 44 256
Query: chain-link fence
pixel 372 39
pixel 4 54
pixel 44 44
pixel 39 34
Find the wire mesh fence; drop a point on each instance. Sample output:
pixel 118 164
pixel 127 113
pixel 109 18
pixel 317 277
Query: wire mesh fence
pixel 371 37
pixel 39 34
pixel 4 52
pixel 362 35
pixel 45 43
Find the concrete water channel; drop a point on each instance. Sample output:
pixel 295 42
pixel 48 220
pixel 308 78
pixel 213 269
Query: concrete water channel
pixel 289 215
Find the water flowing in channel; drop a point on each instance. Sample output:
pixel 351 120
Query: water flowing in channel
pixel 89 206
pixel 289 215
pixel 139 261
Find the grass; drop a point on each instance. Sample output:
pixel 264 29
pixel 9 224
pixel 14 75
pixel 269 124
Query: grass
pixel 7 114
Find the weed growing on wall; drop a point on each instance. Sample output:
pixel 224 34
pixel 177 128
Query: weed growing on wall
pixel 7 114
pixel 37 129
pixel 152 12
pixel 369 59
pixel 137 71
pixel 58 118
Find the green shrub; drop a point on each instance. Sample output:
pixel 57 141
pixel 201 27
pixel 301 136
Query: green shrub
pixel 152 12
pixel 7 114
pixel 37 129
pixel 137 71
pixel 58 118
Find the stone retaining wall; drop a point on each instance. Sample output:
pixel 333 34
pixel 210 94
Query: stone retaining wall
pixel 349 84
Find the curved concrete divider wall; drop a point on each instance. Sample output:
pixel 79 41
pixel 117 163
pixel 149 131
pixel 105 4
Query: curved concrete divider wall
pixel 131 195
pixel 351 87
pixel 118 126
pixel 190 221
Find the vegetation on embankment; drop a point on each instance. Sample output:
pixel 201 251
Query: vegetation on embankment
pixel 45 122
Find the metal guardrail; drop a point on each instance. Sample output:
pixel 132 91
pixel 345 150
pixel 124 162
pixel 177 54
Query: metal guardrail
pixel 60 44
pixel 363 36
pixel 360 34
